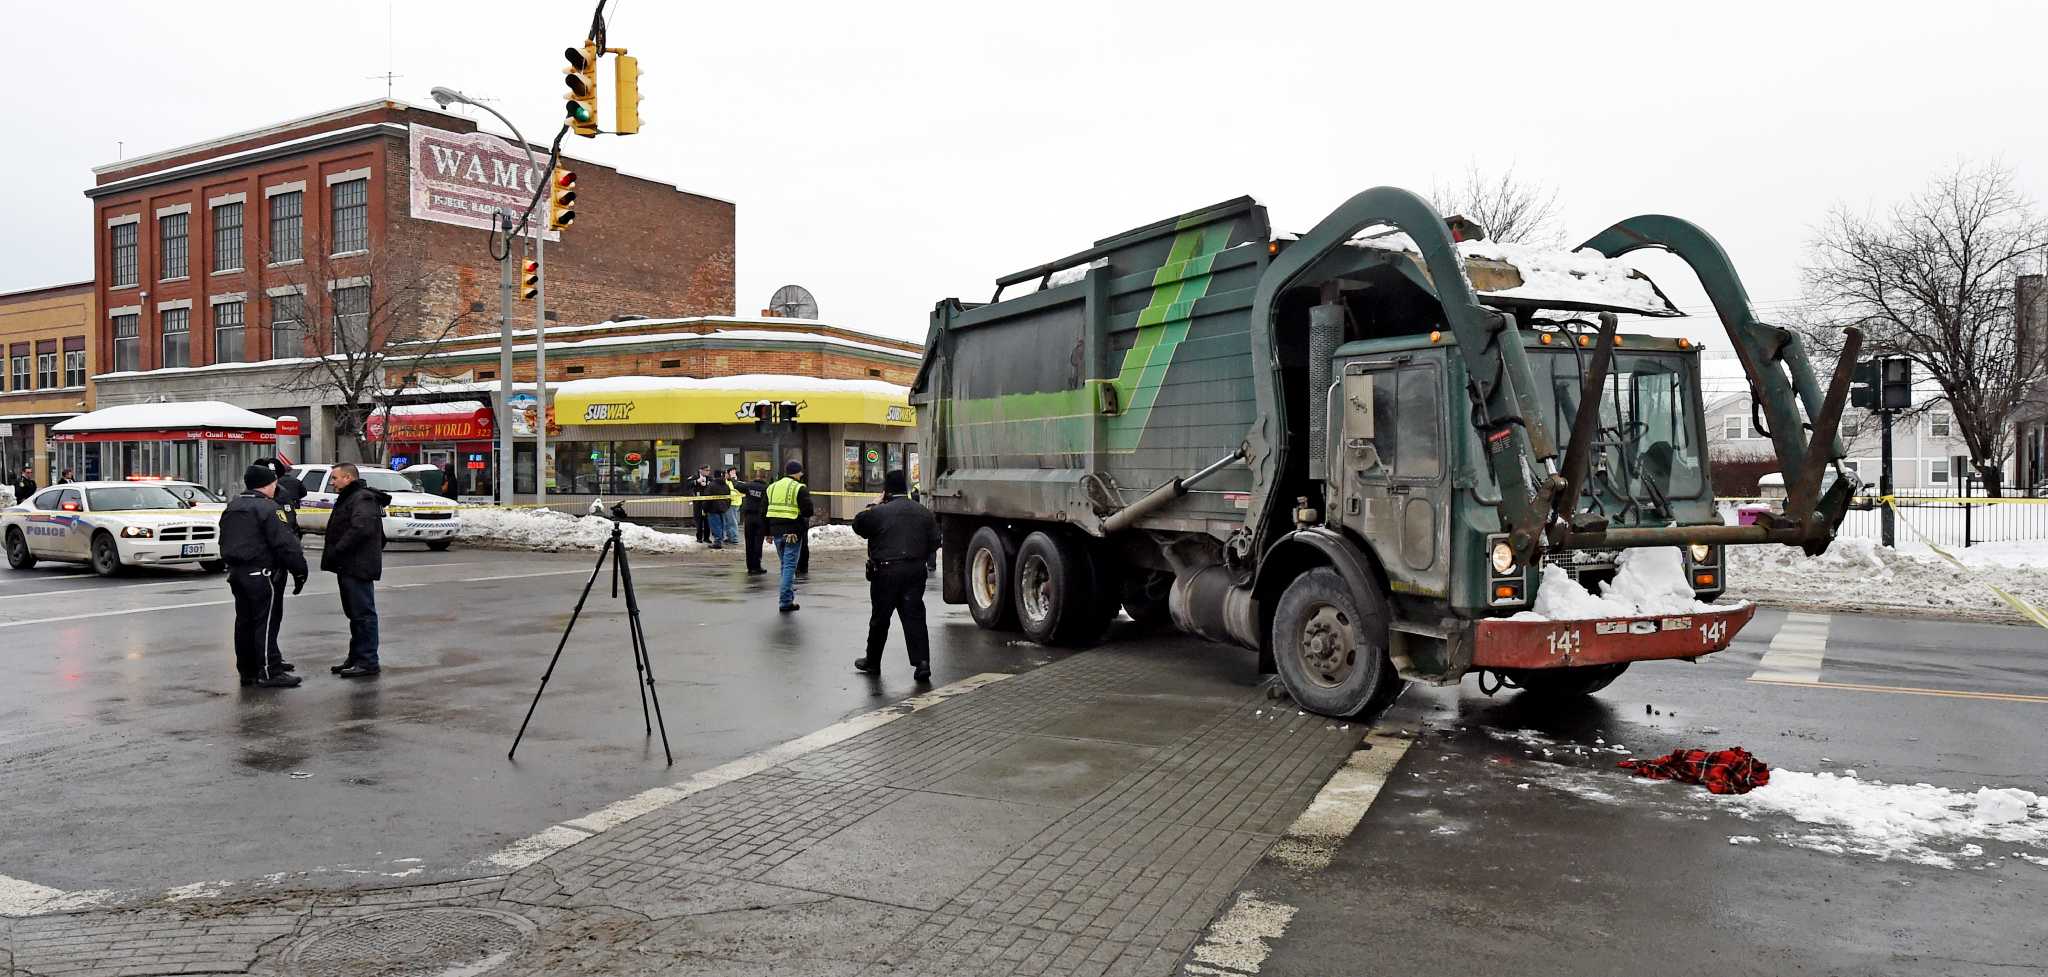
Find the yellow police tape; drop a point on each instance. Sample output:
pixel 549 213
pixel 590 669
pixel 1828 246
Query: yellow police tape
pixel 2025 609
pixel 650 498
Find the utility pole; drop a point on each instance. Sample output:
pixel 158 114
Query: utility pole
pixel 1889 516
pixel 505 455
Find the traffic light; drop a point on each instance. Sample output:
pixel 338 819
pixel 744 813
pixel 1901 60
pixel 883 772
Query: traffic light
pixel 764 415
pixel 626 91
pixel 529 279
pixel 787 411
pixel 581 77
pixel 561 199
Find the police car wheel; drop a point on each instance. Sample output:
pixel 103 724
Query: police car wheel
pixel 440 545
pixel 214 566
pixel 18 555
pixel 106 557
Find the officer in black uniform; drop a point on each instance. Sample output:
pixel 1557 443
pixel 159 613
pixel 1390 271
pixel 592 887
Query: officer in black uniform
pixel 902 536
pixel 258 546
pixel 753 520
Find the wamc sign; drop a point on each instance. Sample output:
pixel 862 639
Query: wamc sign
pixel 466 178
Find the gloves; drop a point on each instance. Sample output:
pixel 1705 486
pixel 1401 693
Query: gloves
pixel 298 584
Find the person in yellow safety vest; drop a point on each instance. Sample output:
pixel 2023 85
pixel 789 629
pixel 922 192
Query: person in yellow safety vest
pixel 789 519
pixel 732 512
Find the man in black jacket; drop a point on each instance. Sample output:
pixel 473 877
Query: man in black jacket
pixel 24 484
pixel 716 508
pixel 902 536
pixel 290 493
pixel 257 546
pixel 354 553
pixel 753 521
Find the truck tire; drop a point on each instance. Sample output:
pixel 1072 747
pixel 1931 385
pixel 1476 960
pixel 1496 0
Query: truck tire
pixel 1144 599
pixel 1054 582
pixel 18 554
pixel 990 568
pixel 1567 683
pixel 1330 646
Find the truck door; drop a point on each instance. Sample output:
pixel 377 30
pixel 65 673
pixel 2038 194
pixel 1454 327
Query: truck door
pixel 1395 487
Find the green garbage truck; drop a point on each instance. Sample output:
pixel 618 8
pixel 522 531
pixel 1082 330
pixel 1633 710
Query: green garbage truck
pixel 1360 451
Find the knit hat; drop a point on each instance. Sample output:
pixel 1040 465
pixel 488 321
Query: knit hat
pixel 257 476
pixel 896 483
pixel 793 468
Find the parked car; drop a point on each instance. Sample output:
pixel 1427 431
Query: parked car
pixel 412 516
pixel 110 526
pixel 195 495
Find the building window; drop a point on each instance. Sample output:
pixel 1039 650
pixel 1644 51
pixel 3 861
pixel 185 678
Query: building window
pixel 123 238
pixel 1937 472
pixel 127 343
pixel 174 253
pixel 1938 425
pixel 287 226
pixel 351 216
pixel 74 363
pixel 1853 467
pixel 352 319
pixel 227 237
pixel 865 463
pixel 1732 427
pixel 18 364
pixel 227 333
pixel 287 325
pixel 46 366
pixel 177 326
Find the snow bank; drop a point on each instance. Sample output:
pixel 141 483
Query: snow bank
pixel 1648 581
pixel 549 531
pixel 1584 276
pixel 1896 821
pixel 1858 573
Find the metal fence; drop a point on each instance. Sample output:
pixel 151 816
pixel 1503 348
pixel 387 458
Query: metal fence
pixel 1944 520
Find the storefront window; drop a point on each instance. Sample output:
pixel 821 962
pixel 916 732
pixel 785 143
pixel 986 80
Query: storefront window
pixel 850 473
pixel 868 462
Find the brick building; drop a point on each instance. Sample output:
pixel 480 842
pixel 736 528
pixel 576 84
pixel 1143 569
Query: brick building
pixel 221 265
pixel 46 366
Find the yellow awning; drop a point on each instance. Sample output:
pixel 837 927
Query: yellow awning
pixel 649 400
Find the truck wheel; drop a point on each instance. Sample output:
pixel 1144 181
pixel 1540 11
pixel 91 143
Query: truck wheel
pixel 1567 683
pixel 1144 599
pixel 990 565
pixel 1331 645
pixel 18 555
pixel 106 557
pixel 1056 603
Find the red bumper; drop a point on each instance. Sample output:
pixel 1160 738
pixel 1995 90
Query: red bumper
pixel 1501 643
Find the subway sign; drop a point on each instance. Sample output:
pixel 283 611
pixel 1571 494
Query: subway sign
pixel 615 412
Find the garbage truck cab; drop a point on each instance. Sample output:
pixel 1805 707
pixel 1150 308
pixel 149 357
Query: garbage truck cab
pixel 1360 451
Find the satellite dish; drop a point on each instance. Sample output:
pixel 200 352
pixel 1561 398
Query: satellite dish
pixel 794 302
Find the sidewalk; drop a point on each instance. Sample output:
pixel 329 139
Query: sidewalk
pixel 1088 817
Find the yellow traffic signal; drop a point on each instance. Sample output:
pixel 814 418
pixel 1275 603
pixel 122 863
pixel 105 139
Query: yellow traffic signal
pixel 529 279
pixel 561 199
pixel 626 89
pixel 581 77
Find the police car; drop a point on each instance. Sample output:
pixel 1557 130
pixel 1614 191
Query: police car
pixel 110 526
pixel 412 516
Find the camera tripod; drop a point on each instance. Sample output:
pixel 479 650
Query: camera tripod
pixel 622 569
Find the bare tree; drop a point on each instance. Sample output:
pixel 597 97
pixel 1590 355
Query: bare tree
pixel 1932 279
pixel 361 318
pixel 1511 210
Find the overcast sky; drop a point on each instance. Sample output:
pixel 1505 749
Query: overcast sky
pixel 889 155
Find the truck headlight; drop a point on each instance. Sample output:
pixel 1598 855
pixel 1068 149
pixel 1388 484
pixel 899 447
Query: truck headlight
pixel 1700 552
pixel 136 532
pixel 1503 558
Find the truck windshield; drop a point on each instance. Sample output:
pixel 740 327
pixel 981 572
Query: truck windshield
pixel 1648 439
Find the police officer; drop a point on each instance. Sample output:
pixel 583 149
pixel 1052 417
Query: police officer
pixel 902 536
pixel 789 518
pixel 257 546
pixel 753 510
pixel 291 493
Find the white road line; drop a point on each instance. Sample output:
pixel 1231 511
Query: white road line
pixel 533 848
pixel 125 588
pixel 1316 835
pixel 1237 944
pixel 1796 651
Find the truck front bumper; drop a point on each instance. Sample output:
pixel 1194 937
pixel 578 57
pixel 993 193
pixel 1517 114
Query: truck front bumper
pixel 1507 644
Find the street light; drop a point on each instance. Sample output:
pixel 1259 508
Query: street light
pixel 445 96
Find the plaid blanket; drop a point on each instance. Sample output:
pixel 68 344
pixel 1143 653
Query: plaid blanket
pixel 1729 771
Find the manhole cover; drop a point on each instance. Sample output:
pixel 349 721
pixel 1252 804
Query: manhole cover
pixel 412 943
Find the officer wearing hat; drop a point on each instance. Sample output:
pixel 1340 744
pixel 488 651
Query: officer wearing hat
pixel 258 547
pixel 902 536
pixel 789 518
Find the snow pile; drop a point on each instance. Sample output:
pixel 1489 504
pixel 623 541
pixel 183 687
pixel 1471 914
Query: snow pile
pixel 1896 821
pixel 1584 277
pixel 1858 573
pixel 1648 581
pixel 549 531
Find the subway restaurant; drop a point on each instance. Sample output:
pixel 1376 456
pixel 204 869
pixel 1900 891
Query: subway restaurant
pixel 645 436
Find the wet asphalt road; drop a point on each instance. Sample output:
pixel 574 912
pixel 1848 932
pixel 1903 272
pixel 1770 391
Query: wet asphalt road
pixel 131 760
pixel 1460 868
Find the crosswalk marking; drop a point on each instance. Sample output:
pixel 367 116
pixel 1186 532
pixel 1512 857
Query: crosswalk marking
pixel 1795 653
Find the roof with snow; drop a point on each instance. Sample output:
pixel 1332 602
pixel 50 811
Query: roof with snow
pixel 168 417
pixel 1544 277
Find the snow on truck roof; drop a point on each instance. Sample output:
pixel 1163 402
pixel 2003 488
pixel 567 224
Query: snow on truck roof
pixel 1546 277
